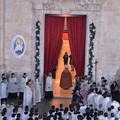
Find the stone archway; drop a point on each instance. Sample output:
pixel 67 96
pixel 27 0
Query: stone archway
pixel 90 8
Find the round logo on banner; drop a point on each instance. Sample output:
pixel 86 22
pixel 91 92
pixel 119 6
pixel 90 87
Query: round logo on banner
pixel 18 46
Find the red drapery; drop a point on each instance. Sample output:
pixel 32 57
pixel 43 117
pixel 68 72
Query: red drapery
pixel 77 39
pixel 54 26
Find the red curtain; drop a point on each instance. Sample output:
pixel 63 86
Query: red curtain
pixel 77 38
pixel 54 26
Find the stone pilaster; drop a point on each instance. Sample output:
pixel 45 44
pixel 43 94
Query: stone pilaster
pixel 2 30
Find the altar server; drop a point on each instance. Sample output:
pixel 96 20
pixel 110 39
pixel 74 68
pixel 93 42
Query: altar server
pixel 12 87
pixel 3 90
pixel 37 90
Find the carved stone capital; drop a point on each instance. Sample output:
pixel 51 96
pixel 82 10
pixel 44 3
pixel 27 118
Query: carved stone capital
pixel 49 4
pixel 92 5
pixel 87 5
pixel 83 2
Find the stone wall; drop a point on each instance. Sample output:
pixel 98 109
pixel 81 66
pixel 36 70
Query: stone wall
pixel 109 45
pixel 18 20
pixel 73 7
pixel 20 16
pixel 2 65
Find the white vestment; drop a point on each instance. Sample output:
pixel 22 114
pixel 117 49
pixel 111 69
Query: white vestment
pixel 3 90
pixel 24 116
pixel 12 85
pixel 26 79
pixel 98 101
pixel 112 118
pixel 116 105
pixel 10 110
pixel 106 103
pixel 101 117
pixel 11 118
pixel 27 98
pixel 48 85
pixel 106 118
pixel 118 115
pixel 90 99
pixel 65 116
pixel 74 116
pixel 82 109
pixel 37 91
pixel 22 84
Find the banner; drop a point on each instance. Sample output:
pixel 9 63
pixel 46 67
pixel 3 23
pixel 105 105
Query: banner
pixel 18 46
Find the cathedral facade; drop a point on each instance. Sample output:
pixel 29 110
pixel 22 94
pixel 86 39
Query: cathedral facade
pixel 18 20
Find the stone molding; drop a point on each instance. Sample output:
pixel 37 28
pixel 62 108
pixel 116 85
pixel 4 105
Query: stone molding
pixel 84 5
pixel 91 8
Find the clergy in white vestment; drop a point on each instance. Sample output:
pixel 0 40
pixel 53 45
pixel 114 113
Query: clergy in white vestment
pixel 22 84
pixel 118 113
pixel 82 109
pixel 10 108
pixel 90 99
pixel 95 100
pixel 101 117
pixel 28 97
pixel 37 89
pixel 106 116
pixel 12 87
pixel 20 109
pixel 98 101
pixel 116 106
pixel 25 114
pixel 11 117
pixel 3 90
pixel 74 116
pixel 49 87
pixel 25 77
pixel 106 103
pixel 3 76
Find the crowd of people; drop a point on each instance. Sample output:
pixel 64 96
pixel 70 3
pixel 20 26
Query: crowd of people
pixel 90 100
pixel 25 89
pixel 16 112
pixel 98 101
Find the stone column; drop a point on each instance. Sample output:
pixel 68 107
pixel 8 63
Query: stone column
pixel 2 20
